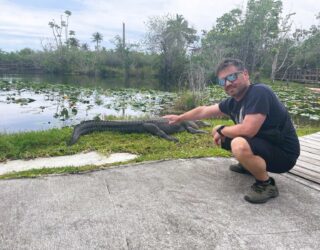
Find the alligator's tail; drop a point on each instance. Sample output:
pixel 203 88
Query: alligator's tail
pixel 85 128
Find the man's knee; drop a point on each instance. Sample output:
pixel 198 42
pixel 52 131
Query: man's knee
pixel 240 147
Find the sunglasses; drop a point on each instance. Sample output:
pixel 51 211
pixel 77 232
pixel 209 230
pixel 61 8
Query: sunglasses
pixel 231 78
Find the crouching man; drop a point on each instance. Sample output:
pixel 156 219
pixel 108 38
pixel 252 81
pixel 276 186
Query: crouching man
pixel 263 138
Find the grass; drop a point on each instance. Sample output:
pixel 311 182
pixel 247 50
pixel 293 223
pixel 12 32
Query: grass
pixel 306 130
pixel 54 143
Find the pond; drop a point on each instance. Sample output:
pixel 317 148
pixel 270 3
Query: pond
pixel 85 81
pixel 33 102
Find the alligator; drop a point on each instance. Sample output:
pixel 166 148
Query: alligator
pixel 159 127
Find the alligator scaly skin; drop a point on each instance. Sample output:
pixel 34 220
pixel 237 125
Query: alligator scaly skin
pixel 159 127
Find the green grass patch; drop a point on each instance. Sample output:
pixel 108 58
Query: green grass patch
pixel 307 130
pixel 54 143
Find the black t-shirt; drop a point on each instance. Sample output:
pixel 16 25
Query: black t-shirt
pixel 260 99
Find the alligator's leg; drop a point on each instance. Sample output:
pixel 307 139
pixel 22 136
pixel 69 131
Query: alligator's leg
pixel 195 131
pixel 155 130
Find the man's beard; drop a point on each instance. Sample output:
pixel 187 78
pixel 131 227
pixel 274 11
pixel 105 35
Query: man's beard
pixel 238 92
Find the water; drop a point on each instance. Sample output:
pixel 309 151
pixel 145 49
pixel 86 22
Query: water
pixel 85 98
pixel 86 81
pixel 81 98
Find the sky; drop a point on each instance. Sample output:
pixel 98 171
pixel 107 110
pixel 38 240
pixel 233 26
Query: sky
pixel 24 23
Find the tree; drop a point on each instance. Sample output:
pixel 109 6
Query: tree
pixel 310 47
pixel 223 40
pixel 54 28
pixel 97 38
pixel 250 36
pixel 85 46
pixel 179 32
pixel 74 42
pixel 260 29
pixel 170 37
pixel 282 45
pixel 68 14
pixel 57 29
pixel 123 51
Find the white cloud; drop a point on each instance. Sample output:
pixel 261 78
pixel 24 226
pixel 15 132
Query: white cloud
pixel 305 10
pixel 21 22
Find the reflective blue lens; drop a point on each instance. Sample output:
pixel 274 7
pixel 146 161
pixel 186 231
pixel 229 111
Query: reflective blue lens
pixel 230 78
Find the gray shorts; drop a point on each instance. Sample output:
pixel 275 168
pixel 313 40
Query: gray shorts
pixel 277 160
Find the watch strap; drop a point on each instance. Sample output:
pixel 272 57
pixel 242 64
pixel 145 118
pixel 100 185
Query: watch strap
pixel 219 130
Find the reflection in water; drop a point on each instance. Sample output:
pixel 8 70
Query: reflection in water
pixel 86 81
pixel 65 105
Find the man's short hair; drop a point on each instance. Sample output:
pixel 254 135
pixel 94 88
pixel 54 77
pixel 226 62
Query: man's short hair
pixel 230 62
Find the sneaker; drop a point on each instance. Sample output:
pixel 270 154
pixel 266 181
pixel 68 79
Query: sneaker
pixel 239 169
pixel 260 193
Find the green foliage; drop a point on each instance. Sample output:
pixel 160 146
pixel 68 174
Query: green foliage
pixel 185 102
pixel 261 28
pixel 301 102
pixel 188 100
pixel 257 34
pixel 170 36
pixel 148 147
pixel 31 144
pixel 81 61
pixel 308 53
pixel 249 37
pixel 307 130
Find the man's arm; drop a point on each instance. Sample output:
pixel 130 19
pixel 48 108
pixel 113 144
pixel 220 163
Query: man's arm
pixel 249 127
pixel 198 113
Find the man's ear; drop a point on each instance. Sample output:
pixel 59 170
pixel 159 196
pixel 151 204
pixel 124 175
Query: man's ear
pixel 246 74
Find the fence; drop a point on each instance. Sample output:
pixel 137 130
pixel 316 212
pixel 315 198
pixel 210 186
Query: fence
pixel 300 75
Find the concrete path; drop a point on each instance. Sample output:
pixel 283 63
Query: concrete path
pixel 76 160
pixel 181 204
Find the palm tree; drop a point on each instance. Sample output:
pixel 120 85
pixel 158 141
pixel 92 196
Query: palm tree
pixel 97 38
pixel 179 34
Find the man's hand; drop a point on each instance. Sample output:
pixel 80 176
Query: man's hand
pixel 217 138
pixel 173 119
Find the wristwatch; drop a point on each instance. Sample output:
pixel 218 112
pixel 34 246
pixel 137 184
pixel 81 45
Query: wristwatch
pixel 219 130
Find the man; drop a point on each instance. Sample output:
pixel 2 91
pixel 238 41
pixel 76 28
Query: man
pixel 263 138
